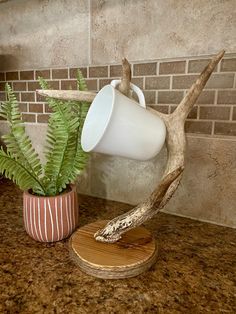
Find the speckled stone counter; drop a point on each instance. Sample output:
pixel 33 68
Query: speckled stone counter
pixel 195 272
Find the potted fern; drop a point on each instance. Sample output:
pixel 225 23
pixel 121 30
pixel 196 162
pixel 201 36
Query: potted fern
pixel 50 205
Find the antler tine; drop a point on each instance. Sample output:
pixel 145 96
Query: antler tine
pixel 68 94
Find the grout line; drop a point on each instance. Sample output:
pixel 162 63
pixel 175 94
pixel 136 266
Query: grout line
pixel 213 128
pixel 132 69
pixel 89 34
pixel 158 68
pixel 186 66
pixel 169 59
pixel 219 66
pixel 216 97
pixel 171 82
pixel 135 62
pixel 231 113
pixel 212 222
pixel 214 120
pixel 198 112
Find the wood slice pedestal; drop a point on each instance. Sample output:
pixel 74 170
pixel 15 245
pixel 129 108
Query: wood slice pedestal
pixel 130 256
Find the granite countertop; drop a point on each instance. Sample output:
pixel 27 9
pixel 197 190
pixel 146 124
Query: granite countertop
pixel 195 271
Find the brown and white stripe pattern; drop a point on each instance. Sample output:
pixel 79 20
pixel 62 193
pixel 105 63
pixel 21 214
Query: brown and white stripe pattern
pixel 52 218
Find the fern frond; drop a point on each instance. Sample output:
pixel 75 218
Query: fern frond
pixel 61 140
pixel 81 84
pixel 15 171
pixel 19 145
pixel 80 108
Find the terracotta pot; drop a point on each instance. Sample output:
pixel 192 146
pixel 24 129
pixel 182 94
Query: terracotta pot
pixel 50 218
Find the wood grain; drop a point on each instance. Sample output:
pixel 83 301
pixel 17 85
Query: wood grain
pixel 130 256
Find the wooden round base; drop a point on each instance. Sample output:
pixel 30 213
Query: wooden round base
pixel 130 256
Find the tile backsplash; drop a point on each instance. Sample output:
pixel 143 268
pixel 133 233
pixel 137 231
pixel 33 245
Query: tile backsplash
pixel 164 82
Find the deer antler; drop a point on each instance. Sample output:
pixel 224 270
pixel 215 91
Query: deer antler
pixel 124 86
pixel 77 95
pixel 68 94
pixel 175 142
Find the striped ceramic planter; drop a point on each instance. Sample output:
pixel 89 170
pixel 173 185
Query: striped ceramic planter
pixel 50 218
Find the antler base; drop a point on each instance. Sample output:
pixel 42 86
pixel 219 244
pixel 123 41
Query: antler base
pixel 132 255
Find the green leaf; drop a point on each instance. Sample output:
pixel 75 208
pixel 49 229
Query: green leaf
pixel 15 171
pixel 19 146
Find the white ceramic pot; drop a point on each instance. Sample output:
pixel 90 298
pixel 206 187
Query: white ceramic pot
pixel 117 125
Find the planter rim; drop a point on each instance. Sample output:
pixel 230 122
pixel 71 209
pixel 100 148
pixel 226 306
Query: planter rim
pixel 72 186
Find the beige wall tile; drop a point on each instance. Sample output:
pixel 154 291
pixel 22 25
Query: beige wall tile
pixel 28 117
pixel 145 69
pixel 198 127
pixel 2 76
pixel 220 81
pixel 91 84
pixel 73 72
pixel 42 118
pixel 161 108
pixel 19 86
pixel 202 194
pixel 214 113
pixel 160 82
pixel 68 84
pixel 149 30
pixel 43 34
pixel 208 190
pixel 101 71
pixel 103 82
pixel 138 81
pixel 23 107
pixel 170 97
pixel 32 86
pixel 59 73
pixel 206 97
pixel 35 107
pixel 28 96
pixel 26 75
pixel 226 97
pixel 115 70
pixel 228 65
pixel 225 128
pixel 234 113
pixel 173 67
pixel 197 66
pixel 183 81
pixel 42 73
pixel 12 76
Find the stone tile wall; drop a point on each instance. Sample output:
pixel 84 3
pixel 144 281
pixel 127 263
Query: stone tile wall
pixel 207 191
pixel 164 83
